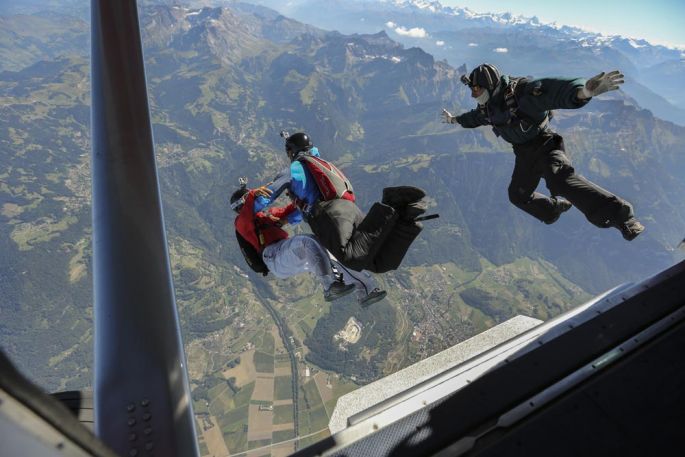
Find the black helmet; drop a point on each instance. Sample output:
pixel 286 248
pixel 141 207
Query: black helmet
pixel 486 76
pixel 298 142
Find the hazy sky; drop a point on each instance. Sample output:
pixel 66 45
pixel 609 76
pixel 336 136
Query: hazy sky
pixel 657 21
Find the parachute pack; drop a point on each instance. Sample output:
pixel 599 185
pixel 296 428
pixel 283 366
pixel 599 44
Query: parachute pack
pixel 332 182
pixel 252 257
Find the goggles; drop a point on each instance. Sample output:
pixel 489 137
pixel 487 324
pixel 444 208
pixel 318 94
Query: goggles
pixel 238 204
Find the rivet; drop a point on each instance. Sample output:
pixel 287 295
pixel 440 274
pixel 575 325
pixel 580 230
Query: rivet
pixel 132 437
pixel 147 430
pixel 149 445
pixel 131 422
pixel 133 452
pixel 145 402
pixel 60 445
pixel 147 416
pixel 130 407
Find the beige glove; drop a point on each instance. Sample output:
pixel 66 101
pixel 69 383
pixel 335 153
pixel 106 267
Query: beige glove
pixel 447 117
pixel 263 191
pixel 603 82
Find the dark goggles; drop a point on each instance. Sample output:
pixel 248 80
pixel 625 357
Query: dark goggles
pixel 238 204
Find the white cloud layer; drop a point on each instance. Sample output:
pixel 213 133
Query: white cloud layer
pixel 414 32
pixel 501 50
pixel 440 43
pixel 473 45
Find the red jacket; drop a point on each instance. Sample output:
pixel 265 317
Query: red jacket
pixel 251 225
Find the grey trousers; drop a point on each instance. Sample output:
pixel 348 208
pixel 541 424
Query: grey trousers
pixel 299 254
pixel 304 254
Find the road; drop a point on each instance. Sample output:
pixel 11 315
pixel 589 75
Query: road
pixel 293 364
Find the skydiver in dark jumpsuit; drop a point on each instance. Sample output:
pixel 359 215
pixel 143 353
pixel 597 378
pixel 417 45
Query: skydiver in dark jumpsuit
pixel 518 109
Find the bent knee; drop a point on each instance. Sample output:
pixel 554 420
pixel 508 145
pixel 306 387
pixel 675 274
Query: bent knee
pixel 519 195
pixel 310 243
pixel 559 178
pixel 560 168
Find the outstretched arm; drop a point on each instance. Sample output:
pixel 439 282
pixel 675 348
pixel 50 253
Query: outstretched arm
pixel 554 93
pixel 468 120
pixel 546 94
pixel 268 193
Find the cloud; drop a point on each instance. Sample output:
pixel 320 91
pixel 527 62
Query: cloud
pixel 501 50
pixel 473 45
pixel 414 32
pixel 440 43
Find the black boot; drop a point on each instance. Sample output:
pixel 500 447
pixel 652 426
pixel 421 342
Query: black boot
pixel 625 221
pixel 413 210
pixel 400 196
pixel 337 290
pixel 560 206
pixel 631 228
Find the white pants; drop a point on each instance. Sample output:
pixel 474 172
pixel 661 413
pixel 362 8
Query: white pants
pixel 299 254
pixel 303 253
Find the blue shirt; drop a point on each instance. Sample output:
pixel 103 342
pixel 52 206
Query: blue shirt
pixel 302 184
pixel 299 181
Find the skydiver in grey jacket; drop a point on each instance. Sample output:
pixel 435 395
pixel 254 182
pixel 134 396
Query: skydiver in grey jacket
pixel 519 109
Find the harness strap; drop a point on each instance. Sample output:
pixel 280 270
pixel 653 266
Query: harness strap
pixel 510 97
pixel 258 229
pixel 515 114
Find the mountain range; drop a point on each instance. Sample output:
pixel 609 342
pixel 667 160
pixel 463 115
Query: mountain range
pixel 519 45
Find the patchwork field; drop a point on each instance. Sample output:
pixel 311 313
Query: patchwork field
pixel 259 424
pixel 244 373
pixel 264 389
pixel 214 440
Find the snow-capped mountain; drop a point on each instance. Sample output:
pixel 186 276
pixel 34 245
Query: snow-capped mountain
pixel 520 45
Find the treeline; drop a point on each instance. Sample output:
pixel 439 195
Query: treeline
pixel 201 392
pixel 377 338
pixel 488 303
